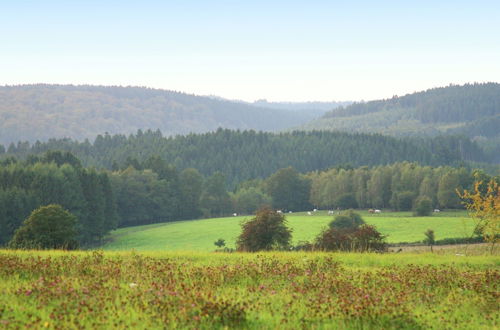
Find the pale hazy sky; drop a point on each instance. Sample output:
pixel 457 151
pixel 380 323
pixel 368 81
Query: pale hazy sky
pixel 278 50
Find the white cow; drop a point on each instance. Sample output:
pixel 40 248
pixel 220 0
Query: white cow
pixel 437 210
pixel 309 213
pixel 330 212
pixel 378 211
pixel 235 214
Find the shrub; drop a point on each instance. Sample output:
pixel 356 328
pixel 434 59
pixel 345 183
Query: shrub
pixel 429 238
pixel 48 227
pixel 361 239
pixel 266 231
pixel 367 238
pixel 347 220
pixel 332 239
pixel 423 207
pixel 220 243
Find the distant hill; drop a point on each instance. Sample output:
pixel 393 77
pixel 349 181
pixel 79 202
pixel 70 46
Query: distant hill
pixel 40 112
pixel 313 108
pixel 472 109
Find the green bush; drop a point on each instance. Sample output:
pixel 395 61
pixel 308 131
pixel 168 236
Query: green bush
pixel 48 227
pixel 423 207
pixel 347 220
pixel 361 239
pixel 266 231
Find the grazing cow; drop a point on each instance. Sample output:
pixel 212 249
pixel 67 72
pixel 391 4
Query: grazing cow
pixel 330 212
pixel 235 214
pixel 290 212
pixel 437 210
pixel 377 211
pixel 315 210
pixel 279 211
pixel 309 213
pixel 371 211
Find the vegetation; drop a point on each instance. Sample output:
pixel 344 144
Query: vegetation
pixel 483 203
pixel 423 207
pixel 398 186
pixel 288 190
pixel 266 231
pixel 471 109
pixel 347 220
pixel 56 178
pixel 199 235
pixel 253 291
pixel 154 191
pixel 249 155
pixel 349 232
pixel 48 227
pixel 362 238
pixel 429 238
pixel 42 112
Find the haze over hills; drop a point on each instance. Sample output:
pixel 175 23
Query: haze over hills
pixel 42 111
pixel 472 109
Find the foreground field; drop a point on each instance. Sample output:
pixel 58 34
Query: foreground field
pixel 97 290
pixel 199 235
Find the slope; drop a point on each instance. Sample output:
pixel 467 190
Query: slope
pixel 40 112
pixel 472 110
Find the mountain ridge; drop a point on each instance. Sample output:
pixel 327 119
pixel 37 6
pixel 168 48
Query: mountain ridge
pixel 43 111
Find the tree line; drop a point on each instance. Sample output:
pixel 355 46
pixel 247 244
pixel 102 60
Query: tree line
pixel 244 155
pixel 154 191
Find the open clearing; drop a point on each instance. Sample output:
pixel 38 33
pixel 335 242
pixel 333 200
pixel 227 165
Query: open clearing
pixel 287 290
pixel 199 235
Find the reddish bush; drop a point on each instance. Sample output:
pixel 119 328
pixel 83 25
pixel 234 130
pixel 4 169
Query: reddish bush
pixel 361 239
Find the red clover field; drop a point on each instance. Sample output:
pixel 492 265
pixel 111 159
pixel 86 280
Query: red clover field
pixel 282 290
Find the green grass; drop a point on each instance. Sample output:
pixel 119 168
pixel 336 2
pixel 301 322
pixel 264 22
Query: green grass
pixel 199 235
pixel 285 290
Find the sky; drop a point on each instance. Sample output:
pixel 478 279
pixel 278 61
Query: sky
pixel 249 50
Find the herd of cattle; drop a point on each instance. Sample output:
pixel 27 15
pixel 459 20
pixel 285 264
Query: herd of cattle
pixel 330 212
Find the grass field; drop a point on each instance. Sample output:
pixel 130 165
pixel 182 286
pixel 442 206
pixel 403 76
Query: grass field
pixel 287 290
pixel 199 235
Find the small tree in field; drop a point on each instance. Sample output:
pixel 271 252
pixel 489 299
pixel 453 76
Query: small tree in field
pixel 266 231
pixel 48 227
pixel 429 238
pixel 483 204
pixel 347 220
pixel 349 232
pixel 423 207
pixel 220 243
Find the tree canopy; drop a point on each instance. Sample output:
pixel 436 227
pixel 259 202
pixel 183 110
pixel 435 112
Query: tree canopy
pixel 48 227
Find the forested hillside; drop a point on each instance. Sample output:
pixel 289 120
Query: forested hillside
pixel 40 112
pixel 472 109
pixel 243 155
pixel 154 191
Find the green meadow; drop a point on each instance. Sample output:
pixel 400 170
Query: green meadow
pixel 279 290
pixel 199 235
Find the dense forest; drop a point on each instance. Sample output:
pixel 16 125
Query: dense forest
pixel 472 110
pixel 105 200
pixel 153 191
pixel 40 112
pixel 243 155
pixel 56 178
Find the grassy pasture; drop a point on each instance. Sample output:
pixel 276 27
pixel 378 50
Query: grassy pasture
pixel 157 290
pixel 199 235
